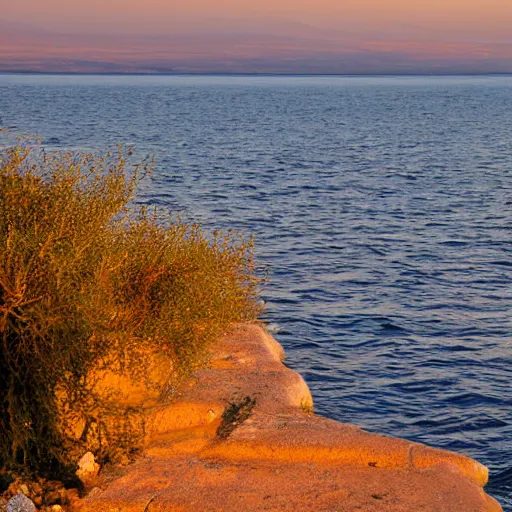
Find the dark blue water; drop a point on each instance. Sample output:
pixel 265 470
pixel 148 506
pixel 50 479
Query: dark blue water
pixel 383 207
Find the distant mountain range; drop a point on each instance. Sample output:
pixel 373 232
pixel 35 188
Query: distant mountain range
pixel 248 47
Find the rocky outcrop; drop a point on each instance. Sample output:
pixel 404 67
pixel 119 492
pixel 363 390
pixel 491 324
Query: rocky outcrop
pixel 242 437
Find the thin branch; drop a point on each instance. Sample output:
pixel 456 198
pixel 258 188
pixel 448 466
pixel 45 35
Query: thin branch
pixel 146 508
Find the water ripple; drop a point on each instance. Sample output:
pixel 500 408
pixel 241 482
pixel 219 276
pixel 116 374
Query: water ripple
pixel 381 205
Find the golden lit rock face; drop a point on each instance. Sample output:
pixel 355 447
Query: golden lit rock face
pixel 278 455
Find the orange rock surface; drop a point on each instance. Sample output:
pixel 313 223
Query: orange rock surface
pixel 280 457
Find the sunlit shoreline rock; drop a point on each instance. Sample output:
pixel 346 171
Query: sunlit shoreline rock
pixel 242 436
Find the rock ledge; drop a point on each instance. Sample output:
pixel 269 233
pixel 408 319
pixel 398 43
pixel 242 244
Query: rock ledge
pixel 243 438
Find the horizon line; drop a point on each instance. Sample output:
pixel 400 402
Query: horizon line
pixel 283 74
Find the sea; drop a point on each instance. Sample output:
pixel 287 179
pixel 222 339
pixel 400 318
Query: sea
pixel 382 211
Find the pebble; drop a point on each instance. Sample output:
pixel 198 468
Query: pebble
pixel 20 503
pixel 87 466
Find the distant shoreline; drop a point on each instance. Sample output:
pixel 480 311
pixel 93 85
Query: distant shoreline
pixel 227 74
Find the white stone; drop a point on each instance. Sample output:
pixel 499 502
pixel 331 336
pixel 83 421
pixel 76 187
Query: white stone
pixel 87 466
pixel 20 503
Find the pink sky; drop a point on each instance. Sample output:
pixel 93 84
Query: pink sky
pixel 485 17
pixel 405 33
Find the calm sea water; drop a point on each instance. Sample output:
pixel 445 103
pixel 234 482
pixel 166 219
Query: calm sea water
pixel 383 207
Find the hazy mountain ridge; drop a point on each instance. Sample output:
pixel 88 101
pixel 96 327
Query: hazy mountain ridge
pixel 246 47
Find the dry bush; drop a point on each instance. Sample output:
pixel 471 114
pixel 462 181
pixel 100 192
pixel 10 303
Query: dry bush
pixel 89 285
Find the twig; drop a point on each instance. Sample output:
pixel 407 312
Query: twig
pixel 146 508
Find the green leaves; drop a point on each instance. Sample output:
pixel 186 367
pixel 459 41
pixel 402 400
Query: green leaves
pixel 86 283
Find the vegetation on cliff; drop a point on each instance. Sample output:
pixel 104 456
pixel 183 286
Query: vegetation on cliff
pixel 90 284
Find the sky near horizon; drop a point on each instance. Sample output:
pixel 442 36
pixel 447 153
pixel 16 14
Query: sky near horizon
pixel 486 18
pixel 266 35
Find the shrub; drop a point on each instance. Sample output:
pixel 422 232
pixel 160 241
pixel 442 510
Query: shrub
pixel 88 284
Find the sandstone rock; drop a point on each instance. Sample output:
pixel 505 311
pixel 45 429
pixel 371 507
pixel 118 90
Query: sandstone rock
pixel 36 488
pixel 87 467
pixel 74 499
pixel 277 455
pixel 52 497
pixel 20 503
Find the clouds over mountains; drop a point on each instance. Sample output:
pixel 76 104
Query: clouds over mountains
pixel 252 46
